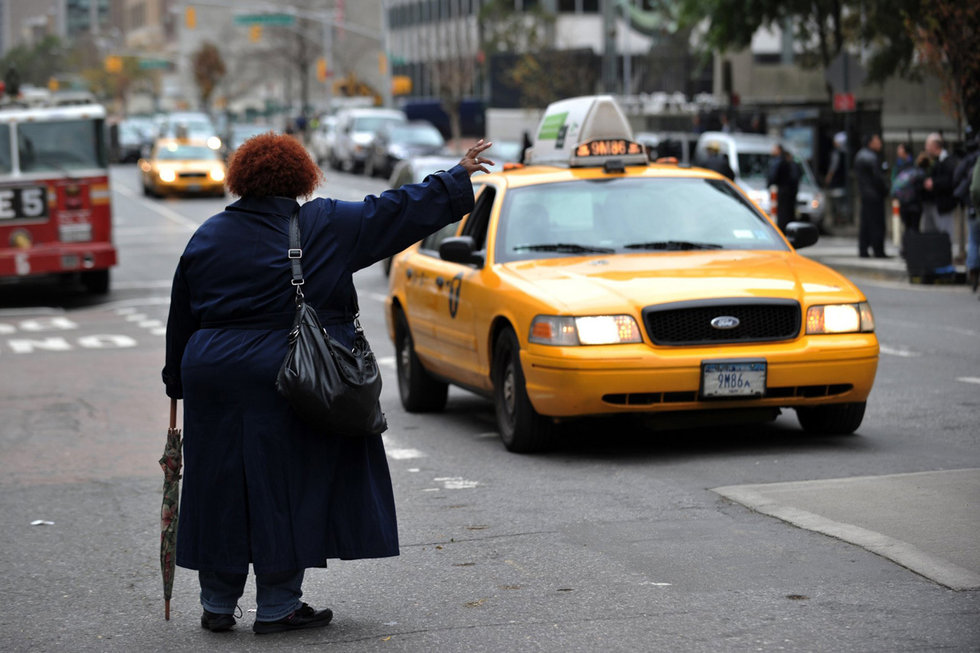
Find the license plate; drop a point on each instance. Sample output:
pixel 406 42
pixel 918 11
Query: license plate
pixel 193 187
pixel 69 261
pixel 733 379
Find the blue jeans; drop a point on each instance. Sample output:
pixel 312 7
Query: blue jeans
pixel 973 244
pixel 276 595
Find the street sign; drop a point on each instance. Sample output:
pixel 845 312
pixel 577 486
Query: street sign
pixel 154 64
pixel 265 19
pixel 844 102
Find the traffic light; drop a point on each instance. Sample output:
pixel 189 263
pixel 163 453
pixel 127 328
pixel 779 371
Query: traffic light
pixel 190 18
pixel 322 72
pixel 255 33
pixel 113 64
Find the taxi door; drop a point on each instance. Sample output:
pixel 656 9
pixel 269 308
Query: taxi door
pixel 440 309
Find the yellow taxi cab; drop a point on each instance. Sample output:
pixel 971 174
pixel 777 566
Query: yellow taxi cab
pixel 591 282
pixel 182 166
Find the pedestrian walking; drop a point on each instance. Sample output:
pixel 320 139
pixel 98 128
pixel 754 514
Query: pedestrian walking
pixel 261 486
pixel 939 202
pixel 962 178
pixel 872 189
pixel 907 189
pixel 903 159
pixel 784 174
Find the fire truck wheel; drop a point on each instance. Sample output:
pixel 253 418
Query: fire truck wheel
pixel 96 281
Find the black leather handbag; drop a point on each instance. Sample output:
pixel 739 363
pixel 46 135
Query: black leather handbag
pixel 332 387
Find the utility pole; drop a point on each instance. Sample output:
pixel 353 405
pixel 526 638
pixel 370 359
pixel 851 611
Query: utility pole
pixel 609 46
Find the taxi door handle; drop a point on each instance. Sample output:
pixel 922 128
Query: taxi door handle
pixel 440 281
pixel 408 273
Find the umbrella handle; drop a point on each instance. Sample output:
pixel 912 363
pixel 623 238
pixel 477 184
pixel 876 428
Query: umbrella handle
pixel 173 413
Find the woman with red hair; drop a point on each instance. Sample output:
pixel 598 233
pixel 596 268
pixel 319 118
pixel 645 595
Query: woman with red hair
pixel 262 487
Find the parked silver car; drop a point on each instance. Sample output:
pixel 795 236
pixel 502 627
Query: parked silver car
pixel 356 130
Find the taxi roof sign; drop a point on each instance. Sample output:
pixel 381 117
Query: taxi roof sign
pixel 585 131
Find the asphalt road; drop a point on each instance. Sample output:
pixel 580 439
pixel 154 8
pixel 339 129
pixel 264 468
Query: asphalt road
pixel 623 539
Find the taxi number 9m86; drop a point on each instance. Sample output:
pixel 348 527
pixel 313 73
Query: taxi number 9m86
pixel 721 379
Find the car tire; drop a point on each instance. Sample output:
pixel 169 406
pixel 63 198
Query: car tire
pixel 419 391
pixel 521 428
pixel 832 419
pixel 96 281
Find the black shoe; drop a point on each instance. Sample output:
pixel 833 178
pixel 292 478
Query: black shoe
pixel 217 623
pixel 882 255
pixel 863 255
pixel 305 617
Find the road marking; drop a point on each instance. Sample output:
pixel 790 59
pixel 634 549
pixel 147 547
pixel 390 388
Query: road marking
pixel 404 454
pixel 969 379
pixel 903 353
pixel 455 483
pixel 169 214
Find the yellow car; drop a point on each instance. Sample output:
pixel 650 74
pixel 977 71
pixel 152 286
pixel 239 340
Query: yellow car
pixel 180 166
pixel 592 283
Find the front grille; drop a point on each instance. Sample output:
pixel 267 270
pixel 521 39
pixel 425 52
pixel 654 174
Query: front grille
pixel 193 175
pixel 689 323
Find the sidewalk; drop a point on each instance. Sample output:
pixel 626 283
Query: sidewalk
pixel 840 252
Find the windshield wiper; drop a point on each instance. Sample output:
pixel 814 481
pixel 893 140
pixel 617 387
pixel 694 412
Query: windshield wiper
pixel 567 248
pixel 672 245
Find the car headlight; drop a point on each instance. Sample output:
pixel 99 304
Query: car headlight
pixel 168 175
pixel 214 142
pixel 588 330
pixel 217 174
pixel 840 318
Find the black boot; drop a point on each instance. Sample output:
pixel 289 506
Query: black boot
pixel 974 276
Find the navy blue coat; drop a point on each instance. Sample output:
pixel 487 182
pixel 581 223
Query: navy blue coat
pixel 260 486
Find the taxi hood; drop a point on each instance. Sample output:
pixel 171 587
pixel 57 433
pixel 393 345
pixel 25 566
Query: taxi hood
pixel 600 284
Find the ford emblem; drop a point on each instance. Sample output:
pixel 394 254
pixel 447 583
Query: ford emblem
pixel 725 322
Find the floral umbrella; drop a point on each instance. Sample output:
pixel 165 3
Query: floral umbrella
pixel 170 463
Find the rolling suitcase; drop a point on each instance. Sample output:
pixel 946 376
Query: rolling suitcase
pixel 928 256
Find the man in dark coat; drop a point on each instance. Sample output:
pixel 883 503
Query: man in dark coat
pixel 261 486
pixel 784 174
pixel 872 189
pixel 939 202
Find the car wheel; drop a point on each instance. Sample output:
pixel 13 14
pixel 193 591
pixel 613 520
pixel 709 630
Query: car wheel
pixel 96 281
pixel 832 419
pixel 521 428
pixel 418 390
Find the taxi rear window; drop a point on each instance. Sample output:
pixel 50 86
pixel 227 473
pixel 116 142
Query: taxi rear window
pixel 623 215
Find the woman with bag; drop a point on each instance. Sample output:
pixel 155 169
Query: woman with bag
pixel 262 486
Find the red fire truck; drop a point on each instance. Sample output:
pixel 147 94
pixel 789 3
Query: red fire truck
pixel 55 204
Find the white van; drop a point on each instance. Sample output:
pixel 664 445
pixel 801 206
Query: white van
pixel 749 155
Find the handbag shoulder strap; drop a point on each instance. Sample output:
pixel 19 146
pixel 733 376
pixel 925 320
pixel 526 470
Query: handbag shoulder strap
pixel 295 255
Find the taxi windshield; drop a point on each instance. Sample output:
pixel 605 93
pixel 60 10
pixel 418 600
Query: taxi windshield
pixel 180 152
pixel 624 215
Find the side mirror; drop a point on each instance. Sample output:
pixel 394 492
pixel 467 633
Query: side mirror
pixel 460 249
pixel 802 234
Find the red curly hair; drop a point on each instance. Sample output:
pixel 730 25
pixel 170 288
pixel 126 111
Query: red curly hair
pixel 273 164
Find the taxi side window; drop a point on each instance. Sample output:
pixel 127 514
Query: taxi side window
pixel 476 225
pixel 430 245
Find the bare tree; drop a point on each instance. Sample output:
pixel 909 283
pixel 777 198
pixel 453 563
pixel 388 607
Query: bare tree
pixel 209 70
